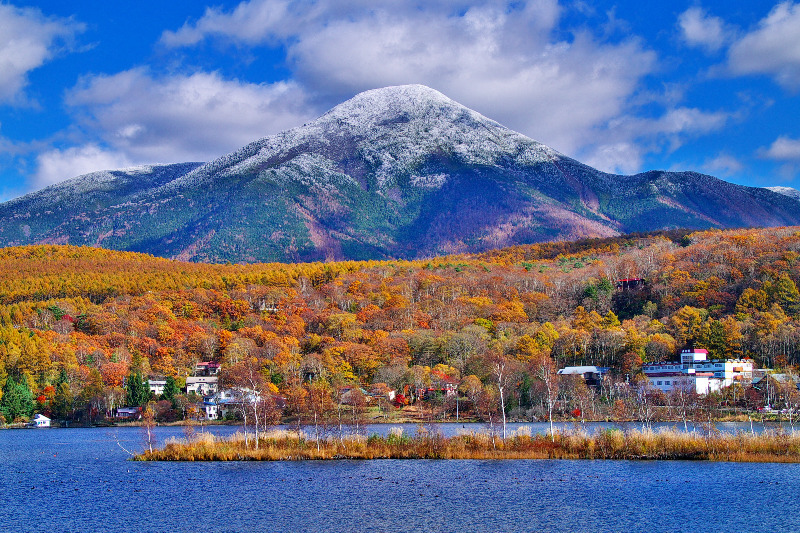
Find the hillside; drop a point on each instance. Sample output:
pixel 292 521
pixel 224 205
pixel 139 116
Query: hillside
pixel 399 172
pixel 80 320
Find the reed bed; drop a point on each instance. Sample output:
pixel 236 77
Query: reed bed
pixel 607 444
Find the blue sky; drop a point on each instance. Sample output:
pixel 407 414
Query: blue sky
pixel 706 86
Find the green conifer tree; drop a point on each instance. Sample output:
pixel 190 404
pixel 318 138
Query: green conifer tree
pixel 785 293
pixel 63 401
pixel 17 401
pixel 170 389
pixel 138 392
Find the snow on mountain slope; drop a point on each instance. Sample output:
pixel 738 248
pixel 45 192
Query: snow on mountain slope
pixel 786 191
pixel 127 180
pixel 394 129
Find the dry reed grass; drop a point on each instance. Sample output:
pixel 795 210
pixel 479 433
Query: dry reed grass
pixel 576 444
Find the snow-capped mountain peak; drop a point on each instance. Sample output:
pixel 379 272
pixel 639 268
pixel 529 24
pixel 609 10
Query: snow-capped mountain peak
pixel 396 105
pixel 394 130
pixel 395 172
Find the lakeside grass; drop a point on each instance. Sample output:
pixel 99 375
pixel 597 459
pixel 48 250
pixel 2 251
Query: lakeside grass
pixel 607 444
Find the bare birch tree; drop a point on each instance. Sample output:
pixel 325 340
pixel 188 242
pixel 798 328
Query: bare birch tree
pixel 544 369
pixel 502 370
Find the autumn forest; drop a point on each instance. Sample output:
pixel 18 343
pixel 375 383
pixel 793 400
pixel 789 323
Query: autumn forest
pixel 78 323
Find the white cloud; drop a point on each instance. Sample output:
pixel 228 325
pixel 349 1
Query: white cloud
pixel 616 158
pixel 691 121
pixel 58 165
pixel 723 164
pixel 27 40
pixel 786 151
pixel 250 22
pixel 628 138
pixel 783 149
pixel 699 29
pixel 773 48
pixel 182 118
pixel 500 58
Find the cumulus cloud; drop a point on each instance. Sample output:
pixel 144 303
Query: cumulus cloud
pixel 723 164
pixel 621 157
pixel 772 48
pixel 690 120
pixel 628 138
pixel 504 59
pixel 58 165
pixel 783 149
pixel 194 117
pixel 699 29
pixel 28 39
pixel 250 22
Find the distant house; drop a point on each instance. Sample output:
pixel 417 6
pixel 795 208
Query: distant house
pixel 700 382
pixel 220 404
pixel 209 368
pixel 441 383
pixel 352 395
pixel 40 421
pixel 592 375
pixel 157 386
pixel 630 283
pixel 381 390
pixel 224 402
pixel 205 381
pixel 128 413
pixel 202 385
pixel 770 388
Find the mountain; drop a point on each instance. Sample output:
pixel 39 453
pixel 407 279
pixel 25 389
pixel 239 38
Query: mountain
pixel 786 191
pixel 394 172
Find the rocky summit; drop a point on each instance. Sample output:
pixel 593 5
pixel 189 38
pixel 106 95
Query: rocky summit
pixel 399 172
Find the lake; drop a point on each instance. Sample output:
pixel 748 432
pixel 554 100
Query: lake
pixel 80 480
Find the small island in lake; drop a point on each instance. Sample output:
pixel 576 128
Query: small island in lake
pixel 604 444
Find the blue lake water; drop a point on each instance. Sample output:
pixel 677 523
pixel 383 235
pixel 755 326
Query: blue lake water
pixel 80 480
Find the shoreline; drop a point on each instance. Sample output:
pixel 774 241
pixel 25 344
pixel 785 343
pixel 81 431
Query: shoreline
pixel 381 421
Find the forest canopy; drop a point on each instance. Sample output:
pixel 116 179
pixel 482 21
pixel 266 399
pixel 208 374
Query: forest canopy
pixel 75 322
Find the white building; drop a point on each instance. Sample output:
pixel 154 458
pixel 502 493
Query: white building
pixel 695 372
pixel 157 386
pixel 699 382
pixel 40 421
pixel 202 385
pixel 226 401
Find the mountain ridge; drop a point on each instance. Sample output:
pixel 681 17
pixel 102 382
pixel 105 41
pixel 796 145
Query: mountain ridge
pixel 395 172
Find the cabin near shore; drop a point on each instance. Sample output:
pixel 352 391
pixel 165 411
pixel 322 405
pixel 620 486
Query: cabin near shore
pixel 40 421
pixel 592 375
